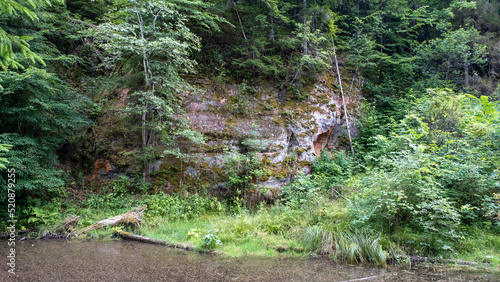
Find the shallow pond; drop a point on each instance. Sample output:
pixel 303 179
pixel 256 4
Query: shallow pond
pixel 60 260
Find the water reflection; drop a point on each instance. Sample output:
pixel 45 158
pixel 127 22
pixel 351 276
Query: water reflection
pixel 130 261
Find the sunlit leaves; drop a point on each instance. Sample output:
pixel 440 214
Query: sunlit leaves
pixel 483 116
pixel 3 149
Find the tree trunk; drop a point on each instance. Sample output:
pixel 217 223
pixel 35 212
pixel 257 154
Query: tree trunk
pixel 144 137
pixel 127 235
pixel 466 72
pixel 241 25
pixel 272 28
pixel 133 217
pixel 305 27
pixel 343 99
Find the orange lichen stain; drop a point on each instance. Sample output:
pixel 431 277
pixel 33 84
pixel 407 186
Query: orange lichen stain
pixel 99 165
pixel 123 95
pixel 321 140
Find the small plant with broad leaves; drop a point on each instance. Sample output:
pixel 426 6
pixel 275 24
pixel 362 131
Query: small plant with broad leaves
pixel 211 240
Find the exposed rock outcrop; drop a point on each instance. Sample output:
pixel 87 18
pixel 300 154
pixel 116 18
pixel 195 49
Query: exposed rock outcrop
pixel 278 127
pixel 286 133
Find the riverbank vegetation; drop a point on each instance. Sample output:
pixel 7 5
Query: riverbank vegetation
pixel 423 180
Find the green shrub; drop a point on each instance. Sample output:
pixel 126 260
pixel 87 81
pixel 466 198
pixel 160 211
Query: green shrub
pixel 47 214
pixel 301 190
pixel 328 172
pixel 406 195
pixel 332 170
pixel 178 207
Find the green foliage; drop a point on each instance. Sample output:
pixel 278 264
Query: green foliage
pixel 301 190
pixel 429 157
pixel 109 201
pixel 48 214
pixel 178 207
pixel 360 247
pixel 157 33
pixel 93 10
pixel 211 240
pixel 15 47
pixel 453 56
pixel 40 112
pixel 193 232
pixel 329 172
pixel 239 104
pixel 117 195
pixel 3 149
pixel 435 172
pixel 243 170
pixel 121 185
pixel 336 168
pixel 406 193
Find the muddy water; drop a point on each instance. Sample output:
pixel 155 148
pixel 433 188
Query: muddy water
pixel 59 260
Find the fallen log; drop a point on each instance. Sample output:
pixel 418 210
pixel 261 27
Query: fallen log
pixel 133 217
pixel 419 259
pixel 361 279
pixel 281 249
pixel 48 237
pixel 130 236
pixel 18 232
pixel 68 225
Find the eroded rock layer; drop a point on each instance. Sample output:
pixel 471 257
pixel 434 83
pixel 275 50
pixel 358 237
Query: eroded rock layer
pixel 285 133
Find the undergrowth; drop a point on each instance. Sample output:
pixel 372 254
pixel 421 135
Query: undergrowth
pixel 426 185
pixel 321 227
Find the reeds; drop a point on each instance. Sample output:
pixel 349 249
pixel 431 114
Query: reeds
pixel 345 245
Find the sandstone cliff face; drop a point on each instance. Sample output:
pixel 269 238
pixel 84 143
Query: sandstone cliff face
pixel 285 134
pixel 276 126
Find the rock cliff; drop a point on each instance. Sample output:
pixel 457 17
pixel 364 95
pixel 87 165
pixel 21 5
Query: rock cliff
pixel 285 133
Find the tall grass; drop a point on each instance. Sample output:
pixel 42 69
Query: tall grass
pixel 360 246
pixel 345 245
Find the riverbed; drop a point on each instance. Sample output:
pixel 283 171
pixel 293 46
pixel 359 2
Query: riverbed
pixel 61 260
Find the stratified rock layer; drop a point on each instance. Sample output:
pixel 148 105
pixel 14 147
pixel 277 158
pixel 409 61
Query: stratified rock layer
pixel 237 119
pixel 274 125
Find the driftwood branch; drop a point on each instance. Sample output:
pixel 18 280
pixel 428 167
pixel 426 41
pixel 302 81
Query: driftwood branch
pixel 7 235
pixel 361 279
pixel 133 217
pixel 130 236
pixel 419 259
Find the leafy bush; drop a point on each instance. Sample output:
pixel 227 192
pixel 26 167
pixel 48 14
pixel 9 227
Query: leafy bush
pixel 454 138
pixel 243 170
pixel 48 214
pixel 332 169
pixel 328 172
pixel 39 114
pixel 109 201
pixel 407 194
pixel 301 190
pixel 178 207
